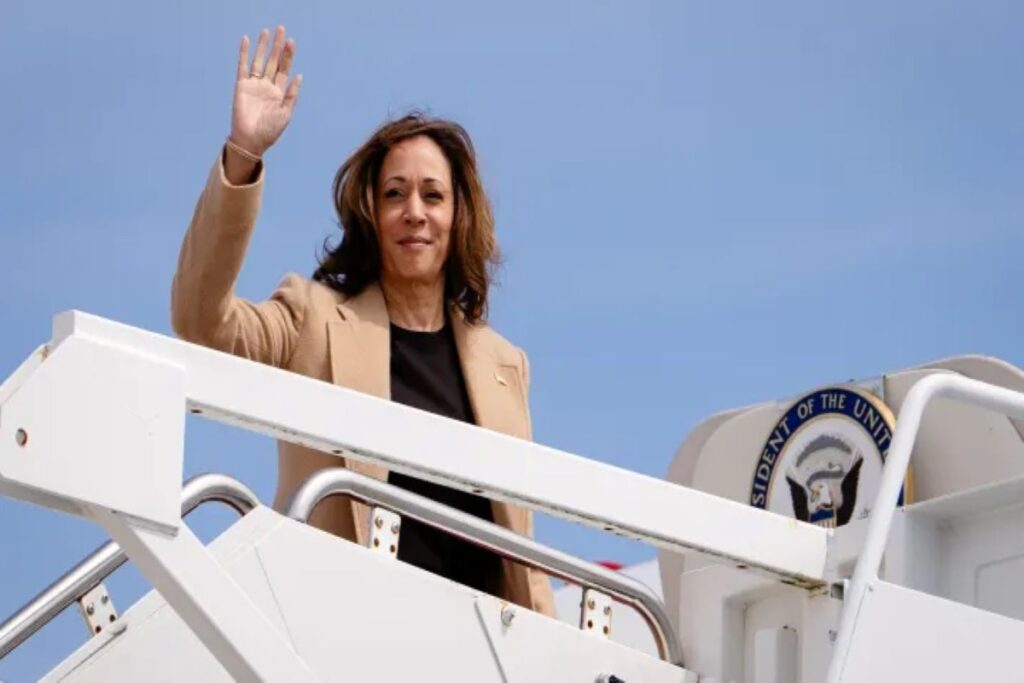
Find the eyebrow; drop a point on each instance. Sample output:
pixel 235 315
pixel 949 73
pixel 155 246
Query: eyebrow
pixel 402 179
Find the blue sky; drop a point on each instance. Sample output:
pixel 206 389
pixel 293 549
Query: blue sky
pixel 701 205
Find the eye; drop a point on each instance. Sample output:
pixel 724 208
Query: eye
pixel 392 193
pixel 435 196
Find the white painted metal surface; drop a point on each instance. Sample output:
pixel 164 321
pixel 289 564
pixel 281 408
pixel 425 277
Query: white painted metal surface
pixel 385 531
pixel 596 613
pixel 865 575
pixel 905 635
pixel 776 655
pixel 98 565
pixel 629 628
pixel 247 394
pixel 283 590
pixel 89 411
pixel 100 427
pixel 522 655
pixel 358 615
pixel 207 599
pixel 97 610
pixel 637 599
pixel 134 387
pixel 967 547
pixel 962 541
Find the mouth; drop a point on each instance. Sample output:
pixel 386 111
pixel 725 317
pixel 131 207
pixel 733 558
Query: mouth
pixel 414 242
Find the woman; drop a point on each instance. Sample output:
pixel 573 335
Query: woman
pixel 396 310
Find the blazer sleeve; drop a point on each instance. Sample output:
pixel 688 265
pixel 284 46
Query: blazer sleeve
pixel 204 308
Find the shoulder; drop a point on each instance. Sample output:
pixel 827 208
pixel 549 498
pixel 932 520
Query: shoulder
pixel 501 349
pixel 307 293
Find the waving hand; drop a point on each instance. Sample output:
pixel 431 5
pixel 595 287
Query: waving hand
pixel 264 97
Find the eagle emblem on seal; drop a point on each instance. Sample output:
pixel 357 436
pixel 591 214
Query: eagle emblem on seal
pixel 822 462
pixel 823 481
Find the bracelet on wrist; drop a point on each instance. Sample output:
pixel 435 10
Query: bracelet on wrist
pixel 242 152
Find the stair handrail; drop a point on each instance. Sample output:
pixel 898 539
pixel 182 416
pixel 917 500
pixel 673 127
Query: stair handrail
pixel 339 481
pixel 102 562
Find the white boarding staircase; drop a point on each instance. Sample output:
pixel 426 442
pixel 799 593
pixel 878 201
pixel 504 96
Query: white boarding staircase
pixel 274 599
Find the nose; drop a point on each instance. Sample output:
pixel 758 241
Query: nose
pixel 414 210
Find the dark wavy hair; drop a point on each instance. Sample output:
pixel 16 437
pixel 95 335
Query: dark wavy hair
pixel 473 256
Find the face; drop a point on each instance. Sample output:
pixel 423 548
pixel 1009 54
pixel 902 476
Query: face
pixel 415 207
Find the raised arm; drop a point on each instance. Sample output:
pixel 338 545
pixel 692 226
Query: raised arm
pixel 204 308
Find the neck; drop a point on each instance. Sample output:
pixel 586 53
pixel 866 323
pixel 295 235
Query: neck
pixel 416 306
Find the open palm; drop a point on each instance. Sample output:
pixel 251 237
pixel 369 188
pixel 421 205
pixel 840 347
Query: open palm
pixel 264 98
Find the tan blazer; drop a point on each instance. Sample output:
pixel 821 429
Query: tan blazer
pixel 316 331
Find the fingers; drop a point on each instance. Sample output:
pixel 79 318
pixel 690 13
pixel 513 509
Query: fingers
pixel 258 65
pixel 287 55
pixel 243 59
pixel 277 64
pixel 292 94
pixel 275 54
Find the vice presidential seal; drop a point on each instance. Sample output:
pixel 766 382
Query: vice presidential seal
pixel 822 462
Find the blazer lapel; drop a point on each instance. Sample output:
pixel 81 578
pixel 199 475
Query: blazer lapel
pixel 359 344
pixel 499 403
pixel 492 381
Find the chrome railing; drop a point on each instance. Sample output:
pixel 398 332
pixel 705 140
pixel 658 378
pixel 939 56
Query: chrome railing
pixel 630 592
pixel 91 571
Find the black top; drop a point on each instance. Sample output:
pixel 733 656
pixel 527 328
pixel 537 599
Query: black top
pixel 425 374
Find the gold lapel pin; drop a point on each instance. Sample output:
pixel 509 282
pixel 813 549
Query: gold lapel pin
pixel 501 380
